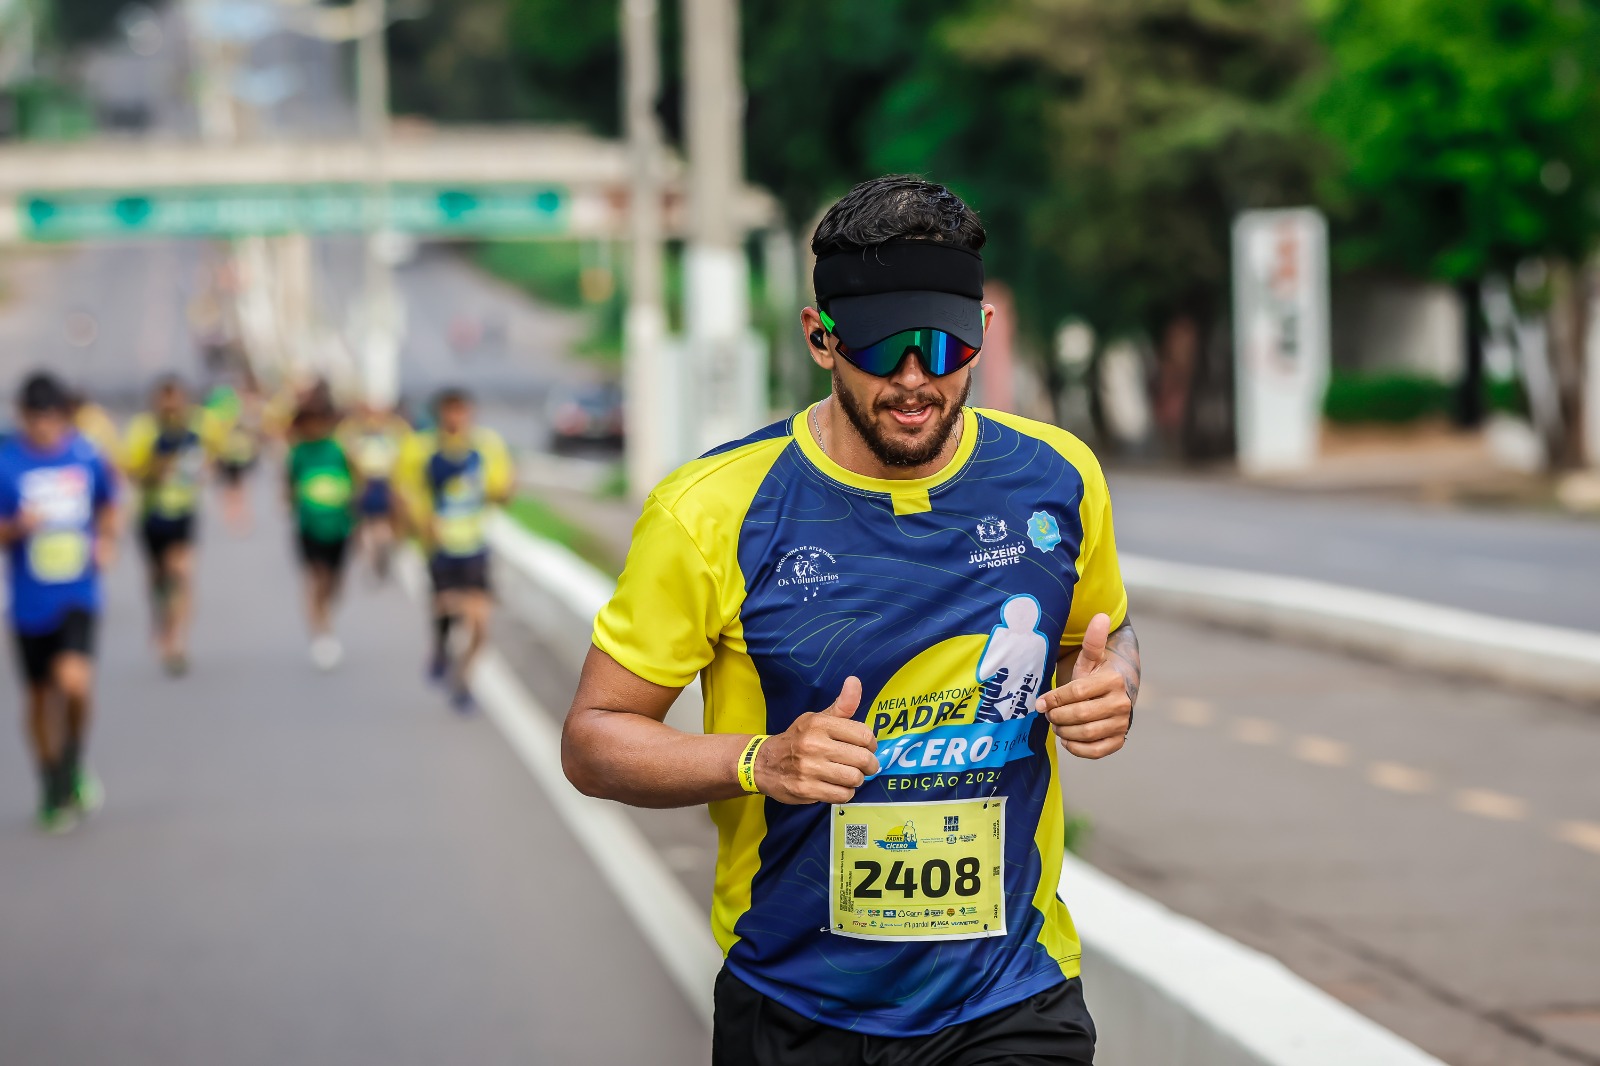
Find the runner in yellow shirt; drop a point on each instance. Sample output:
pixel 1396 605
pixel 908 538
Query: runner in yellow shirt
pixel 449 477
pixel 165 457
pixel 373 438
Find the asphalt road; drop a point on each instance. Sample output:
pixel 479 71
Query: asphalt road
pixel 1532 567
pixel 1425 850
pixel 297 867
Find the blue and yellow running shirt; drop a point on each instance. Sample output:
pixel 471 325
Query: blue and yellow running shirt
pixel 450 484
pixel 775 573
pixel 168 464
pixel 53 568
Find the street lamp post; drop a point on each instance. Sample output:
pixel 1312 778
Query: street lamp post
pixel 382 312
pixel 730 382
pixel 654 415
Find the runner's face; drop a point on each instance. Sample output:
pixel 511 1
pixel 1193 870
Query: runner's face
pixel 455 418
pixel 44 429
pixel 906 418
pixel 171 405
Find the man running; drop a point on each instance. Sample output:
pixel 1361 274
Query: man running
pixel 235 425
pixel 58 515
pixel 373 437
pixel 321 490
pixel 449 477
pixel 892 601
pixel 165 456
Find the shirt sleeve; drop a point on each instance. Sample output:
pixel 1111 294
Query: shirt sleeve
pixel 141 440
pixel 497 470
pixel 105 482
pixel 10 499
pixel 664 620
pixel 408 467
pixel 1099 589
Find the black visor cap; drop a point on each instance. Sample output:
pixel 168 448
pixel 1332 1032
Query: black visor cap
pixel 902 284
pixel 863 320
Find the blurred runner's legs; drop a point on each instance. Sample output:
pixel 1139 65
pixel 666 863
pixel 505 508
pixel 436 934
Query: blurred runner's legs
pixel 449 477
pixel 58 518
pixel 165 456
pixel 373 438
pixel 321 489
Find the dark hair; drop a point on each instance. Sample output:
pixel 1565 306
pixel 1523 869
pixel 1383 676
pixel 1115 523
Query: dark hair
pixel 168 383
pixel 453 394
pixel 42 391
pixel 897 205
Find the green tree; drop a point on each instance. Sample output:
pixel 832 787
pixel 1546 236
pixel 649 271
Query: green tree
pixel 1467 131
pixel 1468 138
pixel 1155 122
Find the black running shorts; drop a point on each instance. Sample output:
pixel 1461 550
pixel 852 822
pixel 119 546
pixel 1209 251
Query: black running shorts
pixel 460 574
pixel 327 554
pixel 161 535
pixel 38 651
pixel 1052 1028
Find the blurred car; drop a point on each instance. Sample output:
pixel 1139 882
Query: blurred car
pixel 586 414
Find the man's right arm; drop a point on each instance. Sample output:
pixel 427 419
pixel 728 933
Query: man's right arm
pixel 616 745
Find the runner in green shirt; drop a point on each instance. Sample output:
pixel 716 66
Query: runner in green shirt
pixel 321 489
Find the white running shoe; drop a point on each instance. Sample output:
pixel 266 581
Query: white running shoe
pixel 326 652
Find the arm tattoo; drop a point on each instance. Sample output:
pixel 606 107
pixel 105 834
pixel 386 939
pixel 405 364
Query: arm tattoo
pixel 1122 652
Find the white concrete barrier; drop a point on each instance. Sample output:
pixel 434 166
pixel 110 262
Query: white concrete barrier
pixel 1164 989
pixel 1546 659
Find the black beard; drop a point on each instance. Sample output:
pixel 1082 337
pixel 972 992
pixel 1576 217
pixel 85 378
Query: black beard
pixel 886 449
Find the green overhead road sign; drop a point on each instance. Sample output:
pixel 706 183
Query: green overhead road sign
pixel 475 210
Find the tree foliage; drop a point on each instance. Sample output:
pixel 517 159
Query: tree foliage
pixel 79 22
pixel 1468 131
pixel 1159 120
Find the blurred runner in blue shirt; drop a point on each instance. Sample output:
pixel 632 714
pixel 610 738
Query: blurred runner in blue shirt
pixel 58 517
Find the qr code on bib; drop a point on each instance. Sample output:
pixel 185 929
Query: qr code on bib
pixel 855 835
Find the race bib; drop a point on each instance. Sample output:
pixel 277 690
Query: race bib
pixel 461 534
pixel 58 556
pixel 919 871
pixel 174 499
pixel 375 456
pixel 326 490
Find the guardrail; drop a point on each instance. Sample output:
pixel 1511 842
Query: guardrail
pixel 1165 990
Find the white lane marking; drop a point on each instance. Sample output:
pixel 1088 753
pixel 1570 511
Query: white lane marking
pixel 1398 777
pixel 1585 835
pixel 1486 803
pixel 1322 751
pixel 1191 712
pixel 1256 731
pixel 678 930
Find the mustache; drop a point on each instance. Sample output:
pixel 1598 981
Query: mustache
pixel 911 399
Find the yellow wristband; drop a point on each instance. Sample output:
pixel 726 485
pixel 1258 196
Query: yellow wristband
pixel 747 762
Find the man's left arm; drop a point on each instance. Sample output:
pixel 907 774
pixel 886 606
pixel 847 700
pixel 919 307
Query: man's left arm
pixel 1093 711
pixel 107 515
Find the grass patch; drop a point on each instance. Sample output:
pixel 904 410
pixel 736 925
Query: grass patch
pixel 1077 832
pixel 539 518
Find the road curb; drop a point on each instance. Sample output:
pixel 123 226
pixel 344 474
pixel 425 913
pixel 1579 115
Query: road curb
pixel 1550 660
pixel 1164 987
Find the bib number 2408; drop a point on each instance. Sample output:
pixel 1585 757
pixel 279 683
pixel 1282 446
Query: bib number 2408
pixel 919 871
